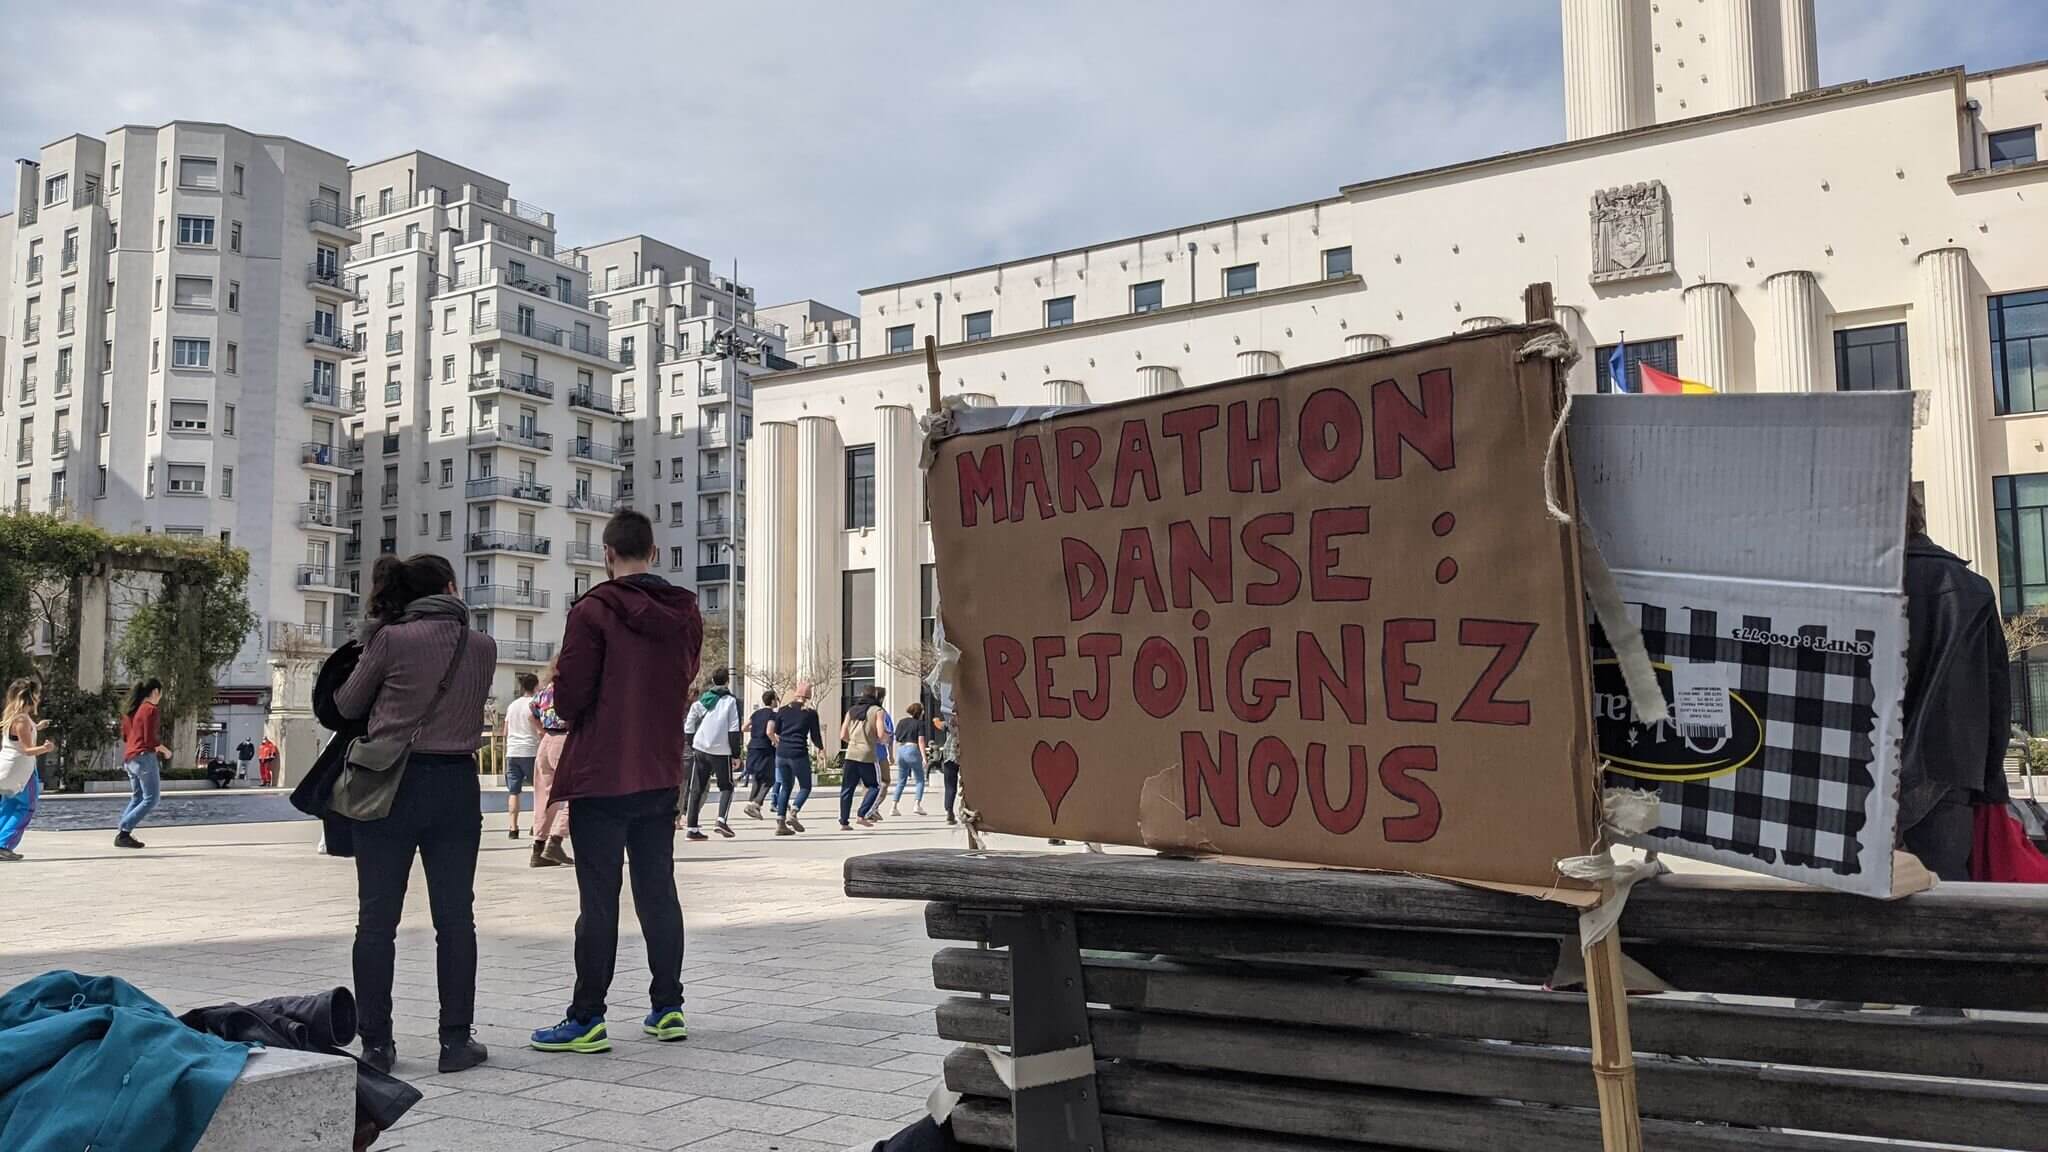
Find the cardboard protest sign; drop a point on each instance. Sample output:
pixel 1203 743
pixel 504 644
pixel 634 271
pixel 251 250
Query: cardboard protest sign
pixel 1317 616
pixel 1759 543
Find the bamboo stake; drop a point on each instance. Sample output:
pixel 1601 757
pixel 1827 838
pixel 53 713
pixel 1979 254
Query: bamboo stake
pixel 931 370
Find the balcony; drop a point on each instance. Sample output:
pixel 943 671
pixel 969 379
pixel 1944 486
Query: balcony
pixel 584 448
pixel 628 405
pixel 327 276
pixel 351 551
pixel 584 396
pixel 508 488
pixel 31 330
pixel 318 576
pixel 503 278
pixel 506 596
pixel 322 215
pixel 716 573
pixel 510 542
pixel 520 382
pixel 390 444
pixel 526 651
pixel 35 269
pixel 323 395
pixel 70 261
pixel 714 526
pixel 352 501
pixel 60 443
pixel 327 336
pixel 28 388
pixel 286 637
pixel 514 437
pixel 712 385
pixel 586 552
pixel 67 320
pixel 715 482
pixel 592 502
pixel 394 295
pixel 63 378
pixel 387 496
pixel 625 445
pixel 326 456
pixel 523 326
pixel 394 342
pixel 314 515
pixel 386 245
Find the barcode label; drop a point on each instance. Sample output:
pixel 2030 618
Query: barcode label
pixel 1699 700
pixel 1703 731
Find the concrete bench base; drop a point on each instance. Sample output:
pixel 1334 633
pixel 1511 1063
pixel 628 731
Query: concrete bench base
pixel 287 1101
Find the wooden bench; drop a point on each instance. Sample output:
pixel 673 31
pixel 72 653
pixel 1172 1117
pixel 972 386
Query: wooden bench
pixel 1261 1009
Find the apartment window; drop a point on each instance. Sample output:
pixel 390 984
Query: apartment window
pixel 901 336
pixel 445 526
pixel 639 309
pixel 196 230
pixel 393 384
pixel 423 523
pixel 100 480
pixel 156 354
pixel 676 427
pixel 1659 354
pixel 447 471
pixel 1871 359
pixel 447 421
pixel 2014 146
pixel 188 416
pixel 201 172
pixel 231 359
pixel 1336 262
pixel 227 419
pixel 448 368
pixel 2020 507
pixel 25 439
pixel 2019 351
pixel 70 250
pixel 860 486
pixel 191 353
pixel 114 179
pixel 234 295
pixel 156 293
pixel 1240 280
pixel 625 349
pixel 1149 296
pixel 448 320
pixel 106 355
pixel 978 326
pixel 1059 312
pixel 227 483
pixel 187 479
pixel 927 602
pixel 235 236
pixel 56 189
pixel 383 201
pixel 856 634
pixel 193 292
pixel 152 416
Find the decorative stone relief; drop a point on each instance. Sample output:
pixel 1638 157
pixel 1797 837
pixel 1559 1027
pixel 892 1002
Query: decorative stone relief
pixel 1631 232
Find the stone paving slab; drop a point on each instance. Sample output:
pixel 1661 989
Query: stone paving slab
pixel 810 1014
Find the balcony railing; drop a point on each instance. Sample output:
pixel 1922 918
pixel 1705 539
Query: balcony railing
pixel 319 395
pixel 394 341
pixel 353 501
pixel 31 331
pixel 714 526
pixel 63 382
pixel 28 388
pixel 508 488
pixel 70 261
pixel 583 396
pixel 628 405
pixel 351 551
pixel 387 496
pixel 390 444
pixel 526 651
pixel 516 436
pixel 713 573
pixel 67 319
pixel 713 437
pixel 286 636
pixel 529 212
pixel 513 382
pixel 505 596
pixel 586 552
pixel 394 294
pixel 318 576
pixel 60 443
pixel 324 455
pixel 713 385
pixel 592 502
pixel 626 445
pixel 328 336
pixel 584 448
pixel 330 275
pixel 509 542
pixel 715 481
pixel 503 278
pixel 312 515
pixel 386 245
pixel 333 215
pixel 525 327
pixel 35 269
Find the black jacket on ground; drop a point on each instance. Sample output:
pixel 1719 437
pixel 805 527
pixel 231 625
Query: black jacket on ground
pixel 325 1023
pixel 316 791
pixel 1958 716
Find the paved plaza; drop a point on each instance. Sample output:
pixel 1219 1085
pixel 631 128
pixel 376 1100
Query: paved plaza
pixel 810 1014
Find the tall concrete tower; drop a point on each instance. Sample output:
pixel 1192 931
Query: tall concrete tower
pixel 1634 62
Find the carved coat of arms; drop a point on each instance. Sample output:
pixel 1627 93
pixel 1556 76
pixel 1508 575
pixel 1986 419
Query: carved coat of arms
pixel 1631 232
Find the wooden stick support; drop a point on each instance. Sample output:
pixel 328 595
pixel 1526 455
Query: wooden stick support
pixel 931 370
pixel 1614 1058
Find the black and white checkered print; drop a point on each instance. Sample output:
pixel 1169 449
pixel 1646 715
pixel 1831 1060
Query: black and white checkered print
pixel 1802 800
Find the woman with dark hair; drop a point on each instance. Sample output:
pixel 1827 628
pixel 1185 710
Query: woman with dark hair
pixel 142 757
pixel 421 682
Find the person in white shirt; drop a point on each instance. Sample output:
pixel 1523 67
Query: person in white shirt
pixel 713 729
pixel 522 744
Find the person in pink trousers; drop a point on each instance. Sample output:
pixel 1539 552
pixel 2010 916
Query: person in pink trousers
pixel 550 819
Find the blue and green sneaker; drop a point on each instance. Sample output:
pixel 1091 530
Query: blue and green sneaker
pixel 666 1024
pixel 573 1036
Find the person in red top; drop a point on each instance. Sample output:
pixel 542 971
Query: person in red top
pixel 142 757
pixel 266 761
pixel 629 653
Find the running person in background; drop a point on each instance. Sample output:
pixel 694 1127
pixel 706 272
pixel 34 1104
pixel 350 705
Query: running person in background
pixel 861 740
pixel 142 757
pixel 760 772
pixel 522 744
pixel 796 732
pixel 20 782
pixel 550 817
pixel 913 756
pixel 714 730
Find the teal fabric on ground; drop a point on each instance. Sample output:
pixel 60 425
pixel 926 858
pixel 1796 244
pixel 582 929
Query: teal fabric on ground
pixel 90 1062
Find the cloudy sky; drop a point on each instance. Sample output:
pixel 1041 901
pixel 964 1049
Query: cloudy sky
pixel 831 147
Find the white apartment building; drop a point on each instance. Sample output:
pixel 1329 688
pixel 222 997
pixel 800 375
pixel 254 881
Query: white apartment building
pixel 1731 221
pixel 482 419
pixel 162 304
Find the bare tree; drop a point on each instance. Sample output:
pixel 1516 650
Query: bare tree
pixel 915 660
pixel 817 664
pixel 2025 632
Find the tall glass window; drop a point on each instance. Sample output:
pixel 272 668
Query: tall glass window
pixel 856 634
pixel 1871 359
pixel 2019 351
pixel 860 486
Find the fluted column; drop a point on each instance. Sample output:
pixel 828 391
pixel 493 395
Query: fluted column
pixel 1943 342
pixel 1157 379
pixel 1480 323
pixel 1606 67
pixel 1064 393
pixel 819 509
pixel 1363 342
pixel 1707 354
pixel 977 400
pixel 1736 85
pixel 1795 334
pixel 895 554
pixel 1257 362
pixel 771 556
pixel 1797 45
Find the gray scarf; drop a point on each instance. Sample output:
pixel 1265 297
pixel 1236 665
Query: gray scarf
pixel 439 606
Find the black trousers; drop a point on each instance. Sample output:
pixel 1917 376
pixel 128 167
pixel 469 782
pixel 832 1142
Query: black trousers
pixel 1942 839
pixel 435 815
pixel 633 834
pixel 705 766
pixel 952 768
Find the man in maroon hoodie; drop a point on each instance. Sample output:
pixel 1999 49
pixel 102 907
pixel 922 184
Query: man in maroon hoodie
pixel 622 682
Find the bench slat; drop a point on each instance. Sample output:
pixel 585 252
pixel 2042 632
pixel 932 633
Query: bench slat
pixel 986 1124
pixel 2014 1117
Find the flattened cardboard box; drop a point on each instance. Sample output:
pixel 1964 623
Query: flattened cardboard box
pixel 1318 616
pixel 1759 542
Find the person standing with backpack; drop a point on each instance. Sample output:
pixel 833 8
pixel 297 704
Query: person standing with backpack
pixel 714 730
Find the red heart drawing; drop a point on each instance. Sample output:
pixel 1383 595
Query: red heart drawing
pixel 1056 768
